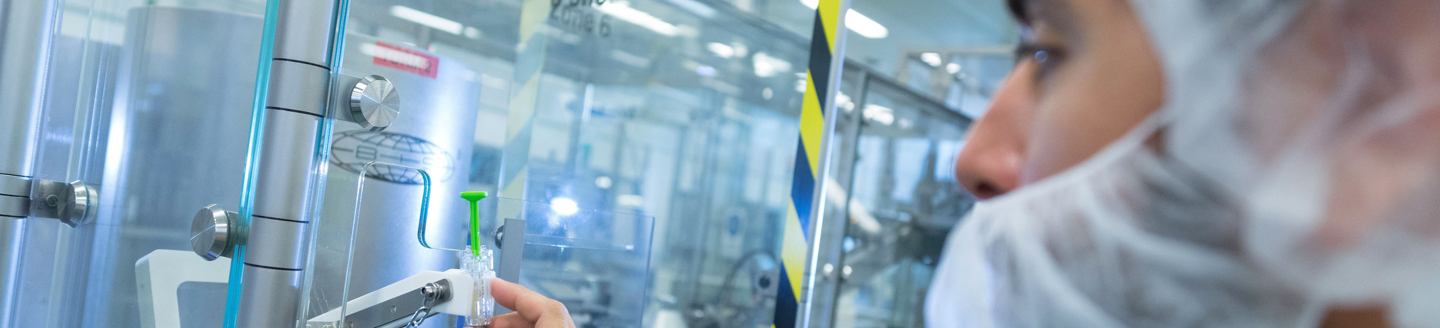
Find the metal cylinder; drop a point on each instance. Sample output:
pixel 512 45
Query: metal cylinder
pixel 434 131
pixel 25 35
pixel 288 169
pixel 24 52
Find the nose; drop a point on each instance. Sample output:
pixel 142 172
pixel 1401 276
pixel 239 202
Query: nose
pixel 990 163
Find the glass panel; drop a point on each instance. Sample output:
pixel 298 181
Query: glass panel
pixel 150 103
pixel 903 202
pixel 917 71
pixel 587 259
pixel 695 125
pixel 684 111
pixel 435 132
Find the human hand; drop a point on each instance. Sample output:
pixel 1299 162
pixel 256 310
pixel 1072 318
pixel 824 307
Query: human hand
pixel 532 310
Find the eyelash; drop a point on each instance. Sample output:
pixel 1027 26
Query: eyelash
pixel 1047 58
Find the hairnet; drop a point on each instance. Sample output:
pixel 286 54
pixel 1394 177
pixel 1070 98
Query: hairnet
pixel 1294 168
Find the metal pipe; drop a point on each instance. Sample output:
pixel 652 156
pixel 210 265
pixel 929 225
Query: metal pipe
pixel 288 171
pixel 25 35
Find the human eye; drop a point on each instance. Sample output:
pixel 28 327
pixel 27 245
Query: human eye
pixel 1047 58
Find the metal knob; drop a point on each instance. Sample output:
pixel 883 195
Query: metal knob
pixel 374 103
pixel 214 232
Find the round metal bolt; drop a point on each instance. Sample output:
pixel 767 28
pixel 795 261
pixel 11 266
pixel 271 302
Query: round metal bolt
pixel 81 204
pixel 212 232
pixel 374 103
pixel 52 200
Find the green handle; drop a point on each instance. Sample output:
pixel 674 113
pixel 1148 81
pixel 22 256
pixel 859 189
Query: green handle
pixel 474 197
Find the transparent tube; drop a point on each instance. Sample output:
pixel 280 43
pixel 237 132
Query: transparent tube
pixel 481 268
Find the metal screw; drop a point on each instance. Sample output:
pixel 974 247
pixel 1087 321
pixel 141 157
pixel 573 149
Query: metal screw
pixel 52 200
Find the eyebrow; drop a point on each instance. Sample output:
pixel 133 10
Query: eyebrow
pixel 1020 10
pixel 1056 13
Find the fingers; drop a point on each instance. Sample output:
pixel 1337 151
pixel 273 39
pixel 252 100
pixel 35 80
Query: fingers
pixel 529 305
pixel 510 320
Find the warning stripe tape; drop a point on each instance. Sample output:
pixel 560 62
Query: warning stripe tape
pixel 821 82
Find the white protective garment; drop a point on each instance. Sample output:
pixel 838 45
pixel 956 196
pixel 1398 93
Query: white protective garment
pixel 1294 168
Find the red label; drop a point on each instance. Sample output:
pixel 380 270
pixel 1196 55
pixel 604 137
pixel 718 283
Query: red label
pixel 412 61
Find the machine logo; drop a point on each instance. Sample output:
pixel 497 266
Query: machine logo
pixel 353 149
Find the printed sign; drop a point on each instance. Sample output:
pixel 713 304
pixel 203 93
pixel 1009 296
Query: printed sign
pixel 397 57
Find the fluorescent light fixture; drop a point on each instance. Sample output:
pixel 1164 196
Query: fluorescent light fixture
pixel 952 68
pixel 931 58
pixel 721 49
pixel 857 22
pixel 424 18
pixel 630 200
pixel 623 11
pixel 845 102
pixel 471 32
pixel 629 58
pixel 564 206
pixel 879 114
pixel 603 182
pixel 865 26
pixel 740 49
pixel 705 70
pixel 767 66
pixel 699 9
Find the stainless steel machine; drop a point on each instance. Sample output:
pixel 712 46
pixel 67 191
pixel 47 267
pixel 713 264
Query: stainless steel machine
pixel 433 131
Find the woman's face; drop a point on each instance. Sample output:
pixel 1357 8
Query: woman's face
pixel 1086 75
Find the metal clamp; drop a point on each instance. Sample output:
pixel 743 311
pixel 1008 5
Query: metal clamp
pixel 72 203
pixel 389 311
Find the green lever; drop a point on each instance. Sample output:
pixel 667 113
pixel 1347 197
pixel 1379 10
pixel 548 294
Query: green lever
pixel 474 197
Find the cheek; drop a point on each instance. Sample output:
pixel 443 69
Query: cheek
pixel 1094 101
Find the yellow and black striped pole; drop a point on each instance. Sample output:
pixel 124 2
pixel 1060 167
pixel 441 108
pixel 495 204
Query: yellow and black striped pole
pixel 817 122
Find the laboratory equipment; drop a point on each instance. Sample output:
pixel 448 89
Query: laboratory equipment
pixel 600 146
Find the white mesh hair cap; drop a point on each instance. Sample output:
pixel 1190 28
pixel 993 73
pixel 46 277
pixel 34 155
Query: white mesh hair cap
pixel 1294 169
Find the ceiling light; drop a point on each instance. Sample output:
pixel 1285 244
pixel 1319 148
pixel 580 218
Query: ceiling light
pixel 623 11
pixel 630 200
pixel 865 26
pixel 697 8
pixel 931 58
pixel 879 114
pixel 722 50
pixel 705 70
pixel 767 66
pixel 424 18
pixel 857 22
pixel 952 68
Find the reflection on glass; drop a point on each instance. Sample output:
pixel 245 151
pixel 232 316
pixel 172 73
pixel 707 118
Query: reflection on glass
pixel 900 203
pixel 136 105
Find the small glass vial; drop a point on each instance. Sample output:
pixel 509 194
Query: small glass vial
pixel 481 268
